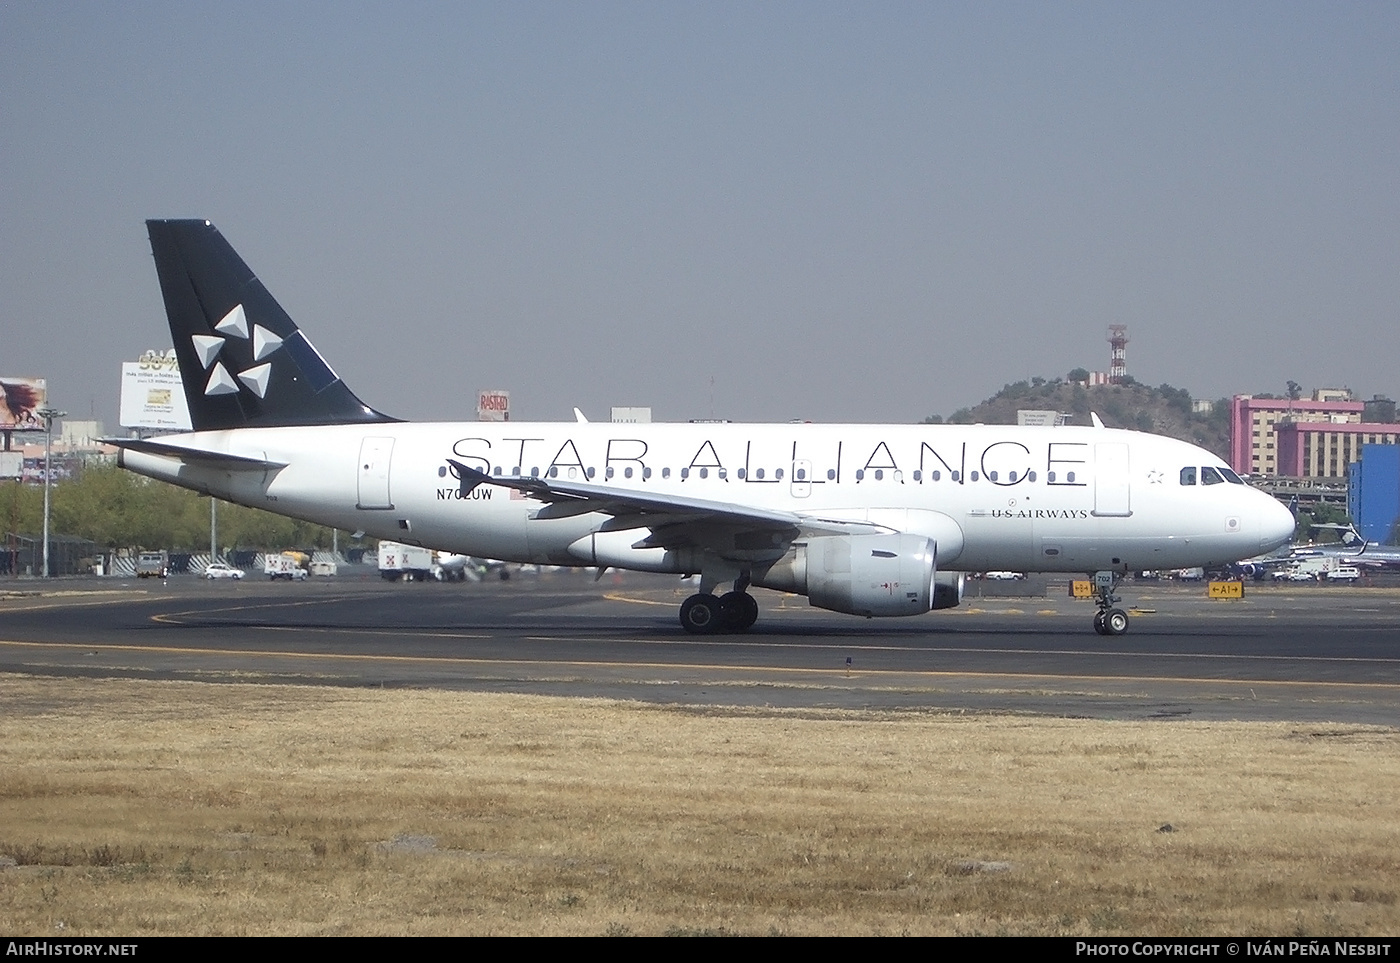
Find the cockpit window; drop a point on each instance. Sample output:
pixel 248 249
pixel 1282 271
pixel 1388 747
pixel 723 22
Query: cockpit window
pixel 1188 476
pixel 1209 476
pixel 1231 477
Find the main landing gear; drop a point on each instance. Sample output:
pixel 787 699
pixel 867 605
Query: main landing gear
pixel 1108 620
pixel 707 613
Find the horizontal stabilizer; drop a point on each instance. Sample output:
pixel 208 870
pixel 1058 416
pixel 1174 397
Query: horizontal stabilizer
pixel 195 456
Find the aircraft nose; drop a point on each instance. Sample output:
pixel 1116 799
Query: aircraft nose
pixel 1276 524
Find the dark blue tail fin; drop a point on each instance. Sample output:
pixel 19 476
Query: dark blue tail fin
pixel 243 361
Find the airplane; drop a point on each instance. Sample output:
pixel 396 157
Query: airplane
pixel 867 520
pixel 1351 550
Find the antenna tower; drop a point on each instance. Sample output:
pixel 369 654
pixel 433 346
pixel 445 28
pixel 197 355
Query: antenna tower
pixel 1118 356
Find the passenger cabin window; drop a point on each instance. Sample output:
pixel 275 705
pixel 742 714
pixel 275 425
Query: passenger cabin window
pixel 1188 476
pixel 1209 476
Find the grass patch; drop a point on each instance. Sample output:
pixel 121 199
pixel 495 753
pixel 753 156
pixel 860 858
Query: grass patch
pixel 134 808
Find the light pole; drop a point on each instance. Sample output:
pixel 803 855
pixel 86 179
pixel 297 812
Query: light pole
pixel 48 414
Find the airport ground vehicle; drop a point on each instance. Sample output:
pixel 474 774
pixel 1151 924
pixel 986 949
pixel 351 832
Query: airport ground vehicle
pixel 153 565
pixel 872 520
pixel 408 563
pixel 288 565
pixel 222 570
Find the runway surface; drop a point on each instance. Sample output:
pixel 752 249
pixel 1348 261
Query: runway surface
pixel 1305 653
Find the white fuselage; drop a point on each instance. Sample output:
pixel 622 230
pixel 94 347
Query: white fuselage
pixel 995 497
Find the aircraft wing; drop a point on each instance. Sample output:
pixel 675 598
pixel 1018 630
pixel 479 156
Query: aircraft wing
pixel 565 498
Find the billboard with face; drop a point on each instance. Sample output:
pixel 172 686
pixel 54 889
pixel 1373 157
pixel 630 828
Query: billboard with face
pixel 20 401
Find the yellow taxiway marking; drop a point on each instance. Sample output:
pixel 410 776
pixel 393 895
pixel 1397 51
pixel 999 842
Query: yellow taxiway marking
pixel 70 604
pixel 616 597
pixel 671 667
pixel 752 641
pixel 173 618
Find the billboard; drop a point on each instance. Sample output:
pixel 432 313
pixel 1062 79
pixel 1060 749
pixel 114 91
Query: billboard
pixel 492 405
pixel 20 401
pixel 631 416
pixel 152 395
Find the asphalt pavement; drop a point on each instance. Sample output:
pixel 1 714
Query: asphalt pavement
pixel 1300 652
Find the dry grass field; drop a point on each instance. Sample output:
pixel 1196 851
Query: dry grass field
pixel 135 808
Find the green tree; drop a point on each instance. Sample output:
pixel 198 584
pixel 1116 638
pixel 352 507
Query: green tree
pixel 118 509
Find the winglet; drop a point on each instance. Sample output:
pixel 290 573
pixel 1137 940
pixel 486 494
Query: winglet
pixel 1093 415
pixel 579 416
pixel 470 478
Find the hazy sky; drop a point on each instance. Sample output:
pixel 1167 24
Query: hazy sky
pixel 764 211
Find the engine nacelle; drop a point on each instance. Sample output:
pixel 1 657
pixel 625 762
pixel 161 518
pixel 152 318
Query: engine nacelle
pixel 948 589
pixel 872 575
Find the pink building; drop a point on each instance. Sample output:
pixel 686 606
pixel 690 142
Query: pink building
pixel 1309 449
pixel 1253 438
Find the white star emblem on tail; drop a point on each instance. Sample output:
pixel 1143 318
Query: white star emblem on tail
pixel 234 323
pixel 256 379
pixel 206 348
pixel 264 342
pixel 220 382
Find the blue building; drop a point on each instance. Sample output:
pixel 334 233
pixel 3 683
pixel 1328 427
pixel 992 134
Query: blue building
pixel 1373 492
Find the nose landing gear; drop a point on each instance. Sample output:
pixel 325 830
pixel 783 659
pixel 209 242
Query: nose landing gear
pixel 1108 620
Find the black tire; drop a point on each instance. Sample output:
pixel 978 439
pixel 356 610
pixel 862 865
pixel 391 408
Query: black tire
pixel 1099 623
pixel 700 614
pixel 1115 622
pixel 738 611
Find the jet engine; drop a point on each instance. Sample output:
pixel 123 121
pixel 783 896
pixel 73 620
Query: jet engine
pixel 871 575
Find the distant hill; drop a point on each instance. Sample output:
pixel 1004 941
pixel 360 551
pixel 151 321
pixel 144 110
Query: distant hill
pixel 1163 410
